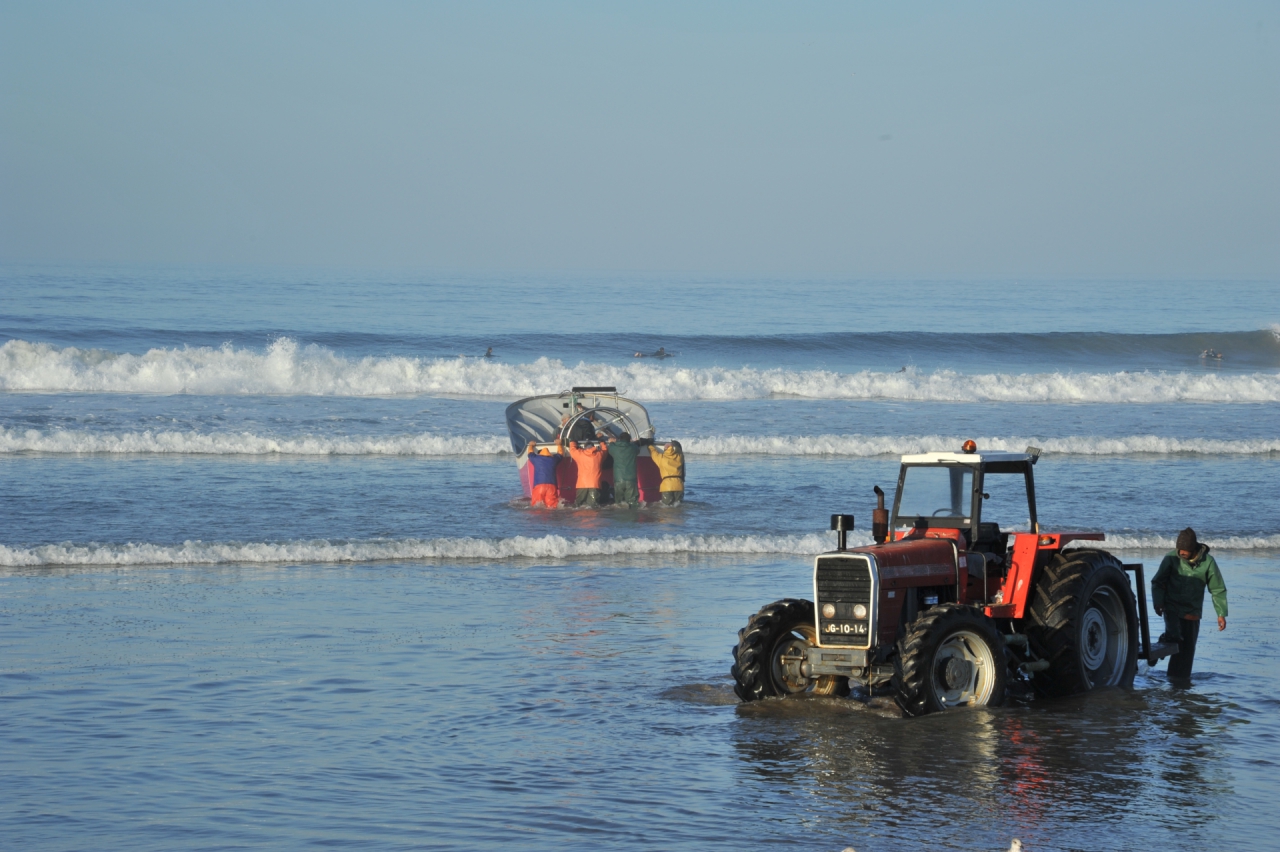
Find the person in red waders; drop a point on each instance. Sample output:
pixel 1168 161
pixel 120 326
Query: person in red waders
pixel 544 476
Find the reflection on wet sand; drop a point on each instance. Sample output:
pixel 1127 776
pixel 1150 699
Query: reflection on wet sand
pixel 1082 764
pixel 1185 746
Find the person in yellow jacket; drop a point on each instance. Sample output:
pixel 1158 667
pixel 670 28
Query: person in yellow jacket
pixel 670 464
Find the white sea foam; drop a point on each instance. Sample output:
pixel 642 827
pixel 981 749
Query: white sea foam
pixel 247 443
pixel 285 367
pixel 1165 543
pixel 490 549
pixel 863 446
pixel 430 444
pixel 479 549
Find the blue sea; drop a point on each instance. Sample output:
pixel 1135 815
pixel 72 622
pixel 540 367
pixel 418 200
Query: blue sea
pixel 268 579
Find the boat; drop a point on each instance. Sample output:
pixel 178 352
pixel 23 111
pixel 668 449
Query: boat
pixel 580 415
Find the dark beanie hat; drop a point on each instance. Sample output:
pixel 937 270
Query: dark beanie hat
pixel 1187 541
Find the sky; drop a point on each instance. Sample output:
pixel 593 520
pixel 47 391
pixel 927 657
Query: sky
pixel 848 140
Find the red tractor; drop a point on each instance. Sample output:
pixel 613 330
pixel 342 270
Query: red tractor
pixel 946 607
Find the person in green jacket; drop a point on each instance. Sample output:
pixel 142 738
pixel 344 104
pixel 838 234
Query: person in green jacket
pixel 625 487
pixel 1177 591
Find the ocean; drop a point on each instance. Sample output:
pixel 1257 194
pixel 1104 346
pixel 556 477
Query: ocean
pixel 267 579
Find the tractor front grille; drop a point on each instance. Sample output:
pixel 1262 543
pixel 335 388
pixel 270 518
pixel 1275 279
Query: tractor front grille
pixel 844 582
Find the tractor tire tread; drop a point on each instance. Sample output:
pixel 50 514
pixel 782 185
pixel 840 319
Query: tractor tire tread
pixel 751 678
pixel 909 673
pixel 911 663
pixel 1055 602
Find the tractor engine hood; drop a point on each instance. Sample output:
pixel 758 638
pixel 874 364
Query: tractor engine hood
pixel 859 593
pixel 914 562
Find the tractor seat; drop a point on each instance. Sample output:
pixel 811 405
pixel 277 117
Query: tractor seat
pixel 977 563
pixel 988 533
pixel 992 542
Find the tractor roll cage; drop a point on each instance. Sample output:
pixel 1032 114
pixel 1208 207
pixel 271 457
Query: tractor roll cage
pixel 980 467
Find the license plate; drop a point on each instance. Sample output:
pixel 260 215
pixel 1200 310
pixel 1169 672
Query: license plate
pixel 846 629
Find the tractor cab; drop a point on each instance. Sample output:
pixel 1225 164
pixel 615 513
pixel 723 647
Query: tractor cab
pixel 948 493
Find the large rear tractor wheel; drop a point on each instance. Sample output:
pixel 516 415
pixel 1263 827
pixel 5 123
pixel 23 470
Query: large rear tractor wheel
pixel 1084 621
pixel 771 649
pixel 951 656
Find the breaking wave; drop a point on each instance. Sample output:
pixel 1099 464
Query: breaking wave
pixel 866 446
pixel 247 443
pixel 1165 543
pixel 430 444
pixel 286 367
pixel 490 549
pixel 479 549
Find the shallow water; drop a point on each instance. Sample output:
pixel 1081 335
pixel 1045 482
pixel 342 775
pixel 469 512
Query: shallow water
pixel 571 705
pixel 284 593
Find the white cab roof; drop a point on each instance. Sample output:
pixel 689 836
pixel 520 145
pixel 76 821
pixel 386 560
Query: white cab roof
pixel 964 458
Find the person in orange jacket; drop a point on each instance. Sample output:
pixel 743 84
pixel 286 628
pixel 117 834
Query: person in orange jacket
pixel 589 461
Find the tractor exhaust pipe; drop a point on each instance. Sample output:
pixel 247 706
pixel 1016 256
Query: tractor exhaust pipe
pixel 841 524
pixel 880 519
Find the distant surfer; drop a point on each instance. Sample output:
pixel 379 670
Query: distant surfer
pixel 1211 354
pixel 661 353
pixel 488 353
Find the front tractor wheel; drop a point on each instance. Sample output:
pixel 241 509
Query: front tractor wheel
pixel 771 649
pixel 951 656
pixel 1084 621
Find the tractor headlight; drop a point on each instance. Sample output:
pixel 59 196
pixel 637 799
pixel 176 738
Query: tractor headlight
pixel 859 611
pixel 828 610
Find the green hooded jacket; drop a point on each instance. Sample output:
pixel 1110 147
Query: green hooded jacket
pixel 624 460
pixel 1178 587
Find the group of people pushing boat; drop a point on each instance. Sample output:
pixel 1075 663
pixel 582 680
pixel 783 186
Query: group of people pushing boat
pixel 592 458
pixel 591 447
